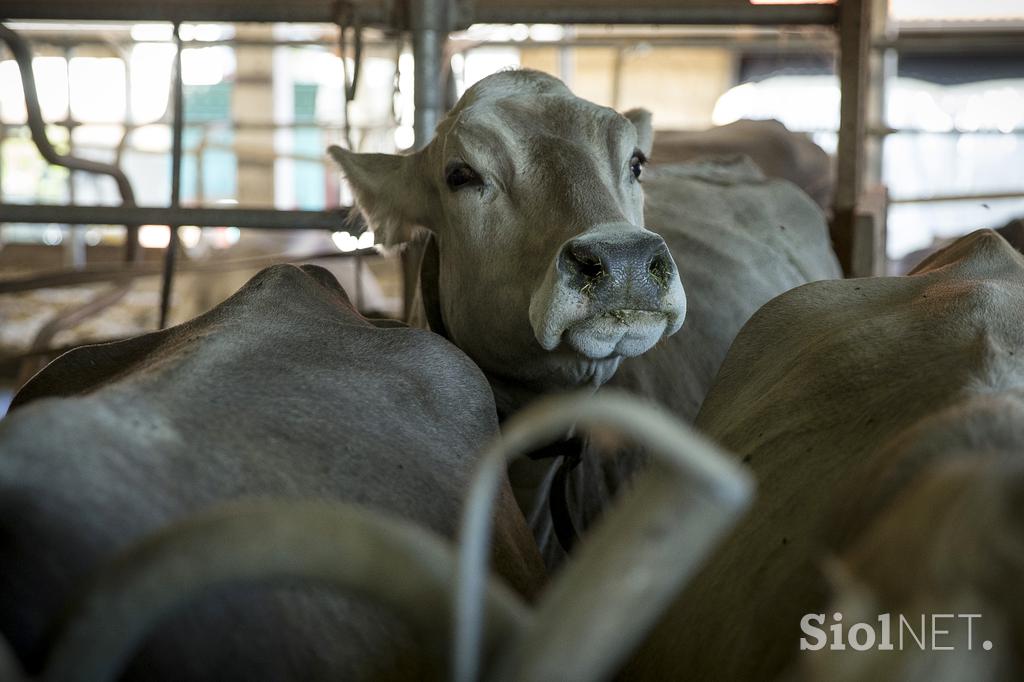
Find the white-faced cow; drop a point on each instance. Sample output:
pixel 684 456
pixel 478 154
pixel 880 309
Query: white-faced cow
pixel 739 240
pixel 544 272
pixel 547 277
pixel 883 420
pixel 283 391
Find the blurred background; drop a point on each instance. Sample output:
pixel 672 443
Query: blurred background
pixel 261 102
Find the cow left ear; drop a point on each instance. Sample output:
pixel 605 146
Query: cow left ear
pixel 389 192
pixel 641 120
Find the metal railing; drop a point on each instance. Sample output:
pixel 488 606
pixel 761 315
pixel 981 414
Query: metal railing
pixel 430 22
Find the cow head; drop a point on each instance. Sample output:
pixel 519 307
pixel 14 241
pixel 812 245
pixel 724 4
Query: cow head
pixel 546 275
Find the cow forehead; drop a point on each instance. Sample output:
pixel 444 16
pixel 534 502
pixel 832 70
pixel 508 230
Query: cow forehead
pixel 531 132
pixel 550 115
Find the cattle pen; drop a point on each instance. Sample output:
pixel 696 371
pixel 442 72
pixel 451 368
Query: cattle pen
pixel 511 340
pixel 428 25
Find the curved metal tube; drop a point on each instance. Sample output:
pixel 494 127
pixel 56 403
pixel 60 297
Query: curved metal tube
pixel 23 56
pixel 37 127
pixel 628 568
pixel 336 544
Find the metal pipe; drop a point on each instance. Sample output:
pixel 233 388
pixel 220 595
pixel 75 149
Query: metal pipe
pixel 171 252
pixel 295 11
pixel 429 22
pixel 37 127
pixel 981 41
pixel 882 131
pixel 350 82
pixel 727 38
pixel 736 44
pixel 985 41
pixel 68 278
pixel 227 125
pixel 632 564
pixel 83 37
pixel 74 246
pixel 936 198
pixel 854 38
pixel 325 11
pixel 349 549
pixel 258 218
pixel 754 15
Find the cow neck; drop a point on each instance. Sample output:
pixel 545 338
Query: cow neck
pixel 508 398
pixel 429 291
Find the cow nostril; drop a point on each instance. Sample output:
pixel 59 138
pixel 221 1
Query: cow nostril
pixel 588 265
pixel 660 269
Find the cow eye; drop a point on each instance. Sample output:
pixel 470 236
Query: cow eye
pixel 636 164
pixel 460 175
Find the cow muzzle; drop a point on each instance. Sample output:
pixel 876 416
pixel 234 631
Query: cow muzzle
pixel 609 294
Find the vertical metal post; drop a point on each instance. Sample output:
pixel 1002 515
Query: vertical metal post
pixel 882 66
pixel 430 21
pixel 171 252
pixel 854 34
pixel 3 138
pixel 74 247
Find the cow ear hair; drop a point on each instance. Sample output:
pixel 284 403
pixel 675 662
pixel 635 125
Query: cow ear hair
pixel 389 192
pixel 641 120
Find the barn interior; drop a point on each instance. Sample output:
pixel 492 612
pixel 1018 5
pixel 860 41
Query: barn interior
pixel 938 92
pixel 155 156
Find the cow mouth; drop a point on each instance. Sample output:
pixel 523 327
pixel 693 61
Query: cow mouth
pixel 617 333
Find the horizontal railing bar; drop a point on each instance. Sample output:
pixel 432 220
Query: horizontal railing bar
pixel 936 198
pixel 257 218
pixel 754 15
pixel 297 11
pixel 326 11
pixel 104 273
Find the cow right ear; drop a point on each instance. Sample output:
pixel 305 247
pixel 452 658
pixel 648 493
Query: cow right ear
pixel 388 190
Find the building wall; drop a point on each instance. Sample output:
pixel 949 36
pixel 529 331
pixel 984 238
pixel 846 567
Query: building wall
pixel 678 85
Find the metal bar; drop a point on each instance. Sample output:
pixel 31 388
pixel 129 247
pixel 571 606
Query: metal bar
pixel 37 128
pixel 935 198
pixel 325 11
pixel 1008 41
pixel 702 35
pixel 881 131
pixel 82 37
pixel 171 252
pixel 737 44
pixel 69 278
pixel 881 67
pixel 661 529
pixel 298 11
pixel 241 125
pixel 754 15
pixel 430 26
pixel 267 219
pixel 854 37
pixel 3 138
pixel 74 247
pixel 350 549
pixel 985 41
